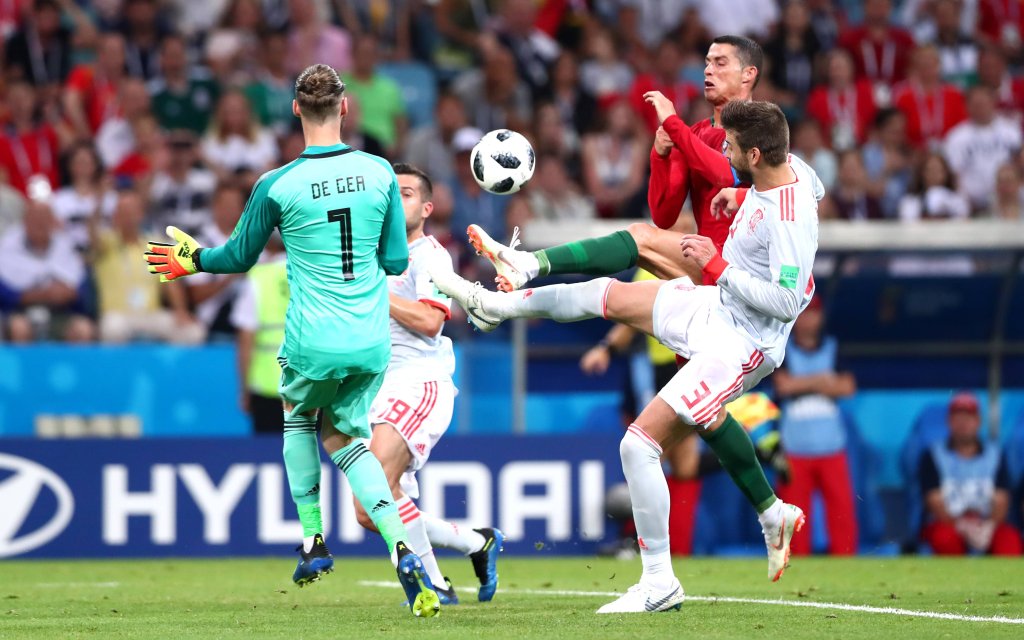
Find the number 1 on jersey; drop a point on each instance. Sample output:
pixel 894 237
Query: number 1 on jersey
pixel 343 217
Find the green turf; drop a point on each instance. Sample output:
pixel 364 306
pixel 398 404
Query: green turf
pixel 254 598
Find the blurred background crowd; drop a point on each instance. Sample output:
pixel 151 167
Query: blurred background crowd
pixel 120 117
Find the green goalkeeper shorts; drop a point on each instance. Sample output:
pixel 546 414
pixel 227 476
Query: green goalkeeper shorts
pixel 346 402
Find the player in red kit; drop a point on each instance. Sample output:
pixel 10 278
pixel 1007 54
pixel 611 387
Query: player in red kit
pixel 685 160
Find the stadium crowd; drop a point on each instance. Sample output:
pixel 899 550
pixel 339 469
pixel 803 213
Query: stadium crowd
pixel 123 116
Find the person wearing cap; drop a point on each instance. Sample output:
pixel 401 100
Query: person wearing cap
pixel 966 489
pixel 808 385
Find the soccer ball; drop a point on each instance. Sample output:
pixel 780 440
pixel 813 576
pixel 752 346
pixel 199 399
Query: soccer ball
pixel 502 161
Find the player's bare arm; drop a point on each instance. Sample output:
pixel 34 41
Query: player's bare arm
pixel 421 317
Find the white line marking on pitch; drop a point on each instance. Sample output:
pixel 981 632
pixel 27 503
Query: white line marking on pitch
pixel 860 608
pixel 108 585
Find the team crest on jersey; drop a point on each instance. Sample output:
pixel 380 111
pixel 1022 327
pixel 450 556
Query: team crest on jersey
pixel 755 220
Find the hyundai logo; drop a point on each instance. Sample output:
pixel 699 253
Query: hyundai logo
pixel 18 494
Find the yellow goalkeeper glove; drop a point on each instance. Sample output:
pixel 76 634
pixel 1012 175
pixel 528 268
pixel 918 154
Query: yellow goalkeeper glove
pixel 170 261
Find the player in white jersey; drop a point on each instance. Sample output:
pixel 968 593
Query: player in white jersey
pixel 414 406
pixel 733 332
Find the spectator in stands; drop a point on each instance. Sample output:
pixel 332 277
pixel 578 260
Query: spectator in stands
pixel 825 21
pixel 41 277
pixel 603 72
pixel 183 95
pixel 90 96
pixel 646 23
pixel 978 146
pixel 313 40
pixel 116 140
pixel 665 76
pixel 851 198
pixel 534 50
pixel 30 146
pixel 137 169
pixel 460 24
pixel 430 145
pixel 212 295
pixel 236 146
pixel 470 203
pixel 966 489
pixel 383 108
pixel 258 317
pixel 232 49
pixel 494 96
pixel 181 192
pixel 887 159
pixel 1008 203
pixel 793 50
pixel 355 136
pixel 808 384
pixel 577 109
pixel 845 107
pixel 809 144
pixel 143 30
pixel 40 52
pixel 272 88
pixel 1009 89
pixel 12 205
pixel 553 196
pixel 932 106
pixel 933 194
pixel 552 137
pixel 87 191
pixel 389 22
pixel 614 161
pixel 1001 23
pixel 129 296
pixel 881 51
pixel 958 51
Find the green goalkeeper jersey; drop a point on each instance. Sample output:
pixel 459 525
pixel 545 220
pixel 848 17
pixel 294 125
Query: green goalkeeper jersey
pixel 343 226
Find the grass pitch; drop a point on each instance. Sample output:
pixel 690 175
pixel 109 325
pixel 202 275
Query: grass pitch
pixel 538 598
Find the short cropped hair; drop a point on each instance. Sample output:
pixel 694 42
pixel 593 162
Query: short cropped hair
pixel 406 169
pixel 319 90
pixel 748 51
pixel 761 125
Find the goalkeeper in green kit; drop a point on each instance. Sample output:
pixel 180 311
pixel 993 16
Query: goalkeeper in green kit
pixel 343 226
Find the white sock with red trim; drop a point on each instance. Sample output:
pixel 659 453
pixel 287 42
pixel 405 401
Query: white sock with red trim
pixel 418 540
pixel 648 491
pixel 560 302
pixel 451 536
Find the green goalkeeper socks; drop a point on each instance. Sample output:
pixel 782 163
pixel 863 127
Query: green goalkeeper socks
pixel 602 256
pixel 371 489
pixel 735 451
pixel 302 463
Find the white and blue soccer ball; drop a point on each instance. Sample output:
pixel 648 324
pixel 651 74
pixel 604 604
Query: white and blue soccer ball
pixel 503 161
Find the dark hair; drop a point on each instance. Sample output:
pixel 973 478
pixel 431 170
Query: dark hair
pixel 917 181
pixel 406 169
pixel 319 91
pixel 884 116
pixel 761 125
pixel 748 51
pixel 88 147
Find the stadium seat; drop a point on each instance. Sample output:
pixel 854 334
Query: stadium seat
pixel 419 88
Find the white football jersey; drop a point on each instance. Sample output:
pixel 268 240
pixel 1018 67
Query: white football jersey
pixel 770 251
pixel 424 357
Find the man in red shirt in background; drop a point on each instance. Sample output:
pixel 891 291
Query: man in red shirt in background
pixel 685 160
pixel 881 52
pixel 932 106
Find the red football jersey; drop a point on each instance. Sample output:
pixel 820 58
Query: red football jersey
pixel 696 166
